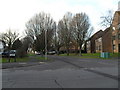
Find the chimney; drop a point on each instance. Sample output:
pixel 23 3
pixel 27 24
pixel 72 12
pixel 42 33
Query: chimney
pixel 119 6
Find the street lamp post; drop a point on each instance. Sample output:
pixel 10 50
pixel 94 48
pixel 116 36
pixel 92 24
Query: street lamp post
pixel 45 44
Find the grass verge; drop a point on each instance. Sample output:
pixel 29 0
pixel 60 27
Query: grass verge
pixel 42 58
pixel 92 55
pixel 5 60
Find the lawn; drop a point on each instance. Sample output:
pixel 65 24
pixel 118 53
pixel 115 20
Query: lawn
pixel 84 55
pixel 5 60
pixel 25 59
pixel 115 54
pixel 91 55
pixel 43 58
pixel 31 54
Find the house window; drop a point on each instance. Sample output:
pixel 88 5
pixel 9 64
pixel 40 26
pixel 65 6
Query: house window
pixel 118 36
pixel 96 47
pixel 88 45
pixel 118 26
pixel 113 37
pixel 114 47
pixel 99 47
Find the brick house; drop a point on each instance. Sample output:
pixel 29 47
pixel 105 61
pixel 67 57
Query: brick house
pixel 101 41
pixel 116 32
pixel 107 40
pixel 98 45
pixel 91 43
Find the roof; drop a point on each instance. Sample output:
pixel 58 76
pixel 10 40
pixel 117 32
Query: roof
pixel 97 34
pixel 106 30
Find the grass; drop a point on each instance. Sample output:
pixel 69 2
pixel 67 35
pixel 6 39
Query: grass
pixel 43 58
pixel 39 57
pixel 26 59
pixel 115 54
pixel 71 54
pixel 5 60
pixel 91 55
pixel 31 54
pixel 87 55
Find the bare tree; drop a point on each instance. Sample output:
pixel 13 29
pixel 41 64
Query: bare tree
pixel 106 20
pixel 58 43
pixel 25 43
pixel 9 37
pixel 37 27
pixel 65 30
pixel 17 44
pixel 81 27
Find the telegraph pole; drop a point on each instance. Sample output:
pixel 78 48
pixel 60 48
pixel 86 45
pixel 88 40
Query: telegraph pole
pixel 45 44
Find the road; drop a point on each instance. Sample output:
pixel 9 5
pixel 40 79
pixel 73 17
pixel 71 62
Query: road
pixel 64 72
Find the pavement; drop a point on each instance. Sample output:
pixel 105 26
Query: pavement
pixel 63 72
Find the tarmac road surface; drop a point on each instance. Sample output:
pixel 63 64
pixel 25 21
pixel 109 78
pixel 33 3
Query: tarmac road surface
pixel 63 72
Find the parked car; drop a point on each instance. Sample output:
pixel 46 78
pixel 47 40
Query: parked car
pixel 10 53
pixel 5 54
pixel 37 53
pixel 51 52
pixel 1 53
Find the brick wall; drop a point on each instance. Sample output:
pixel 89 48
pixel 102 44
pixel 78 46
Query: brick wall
pixel 92 41
pixel 116 31
pixel 107 40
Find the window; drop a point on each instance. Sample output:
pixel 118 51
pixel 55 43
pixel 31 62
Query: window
pixel 114 47
pixel 118 26
pixel 99 47
pixel 113 37
pixel 118 36
pixel 88 45
pixel 100 39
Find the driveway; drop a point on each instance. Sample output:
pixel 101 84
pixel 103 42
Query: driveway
pixel 64 72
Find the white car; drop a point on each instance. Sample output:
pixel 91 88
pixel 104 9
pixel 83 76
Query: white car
pixel 51 52
pixel 12 53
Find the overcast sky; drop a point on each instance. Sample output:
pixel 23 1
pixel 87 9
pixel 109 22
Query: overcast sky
pixel 15 13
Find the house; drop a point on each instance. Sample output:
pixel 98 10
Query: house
pixel 107 40
pixel 88 45
pixel 92 45
pixel 98 45
pixel 116 32
pixel 101 41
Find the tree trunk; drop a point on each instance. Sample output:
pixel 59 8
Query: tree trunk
pixel 80 50
pixel 76 50
pixel 67 51
pixel 80 53
pixel 42 53
pixel 58 51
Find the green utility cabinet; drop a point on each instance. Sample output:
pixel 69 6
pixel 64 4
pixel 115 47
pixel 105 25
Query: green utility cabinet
pixel 105 54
